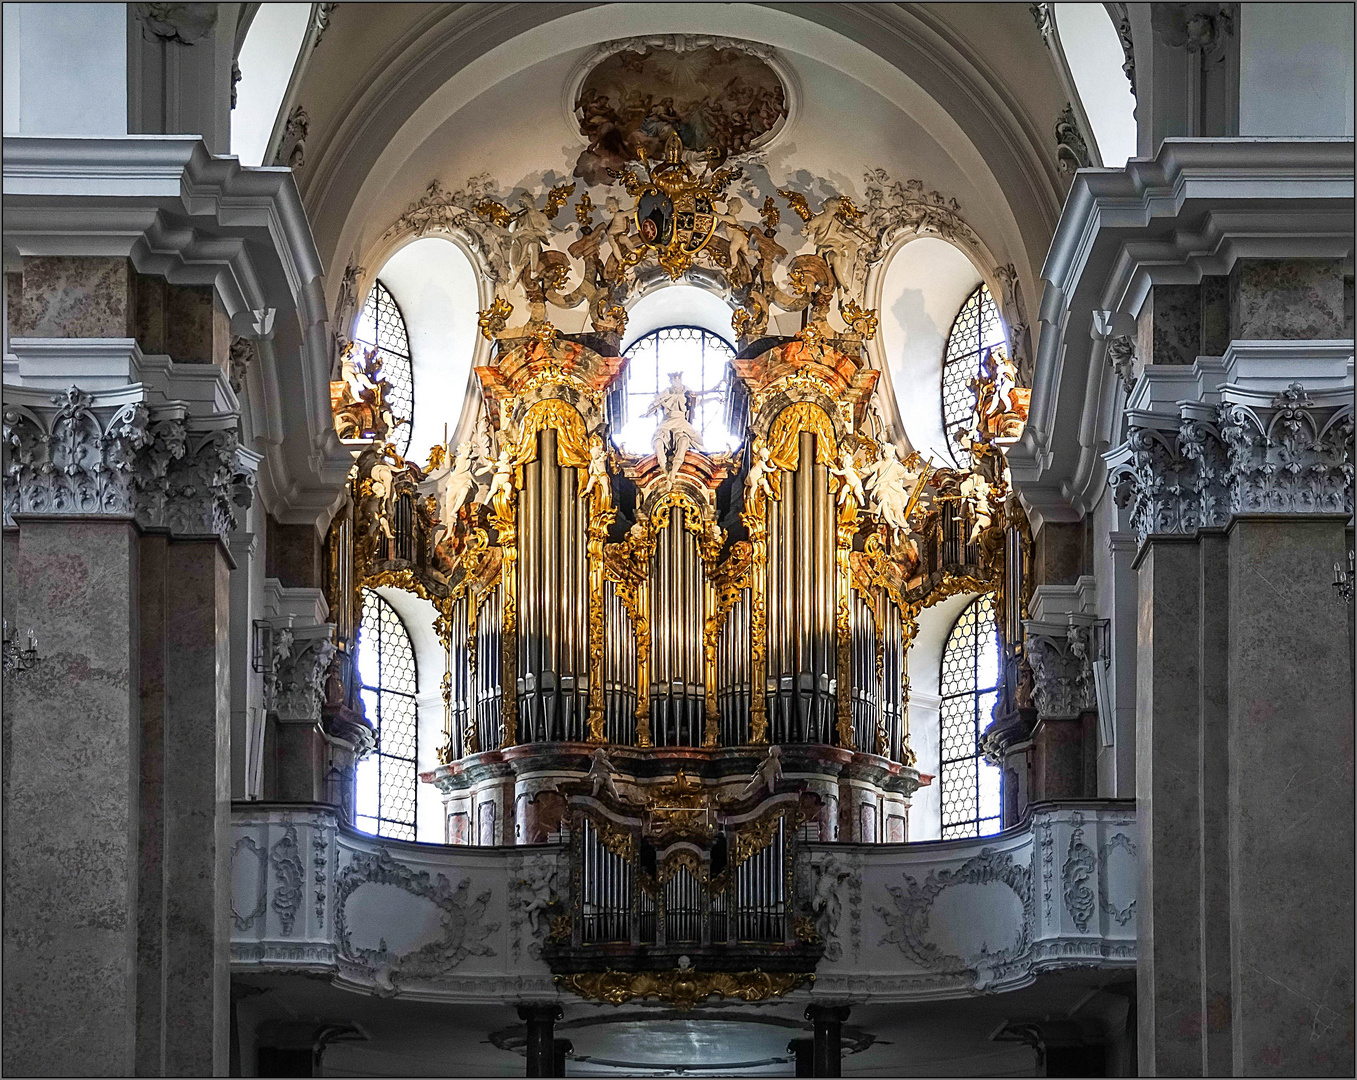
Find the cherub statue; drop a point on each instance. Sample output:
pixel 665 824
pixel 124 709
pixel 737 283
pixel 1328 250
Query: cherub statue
pixel 539 897
pixel 739 241
pixel 758 477
pixel 675 434
pixel 598 474
pixel 502 480
pixel 382 485
pixel 975 489
pixel 767 774
pixel 850 483
pixel 460 484
pixel 619 223
pixel 601 774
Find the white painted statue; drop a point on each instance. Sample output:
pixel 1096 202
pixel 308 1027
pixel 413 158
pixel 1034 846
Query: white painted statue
pixel 502 480
pixel 601 774
pixel 767 774
pixel 890 483
pixel 850 482
pixel 975 489
pixel 675 435
pixel 459 485
pixel 598 474
pixel 758 477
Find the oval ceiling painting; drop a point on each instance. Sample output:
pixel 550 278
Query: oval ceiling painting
pixel 712 97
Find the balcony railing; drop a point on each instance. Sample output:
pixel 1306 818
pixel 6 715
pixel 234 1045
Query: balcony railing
pixel 898 922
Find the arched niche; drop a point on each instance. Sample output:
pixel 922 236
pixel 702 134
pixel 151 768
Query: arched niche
pixel 923 286
pixel 678 304
pixel 438 290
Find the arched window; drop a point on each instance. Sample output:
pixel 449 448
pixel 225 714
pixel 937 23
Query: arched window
pixel 382 324
pixel 969 683
pixel 387 779
pixel 976 329
pixel 702 358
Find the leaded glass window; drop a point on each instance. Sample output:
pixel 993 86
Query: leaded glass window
pixel 382 324
pixel 968 784
pixel 976 329
pixel 702 359
pixel 387 779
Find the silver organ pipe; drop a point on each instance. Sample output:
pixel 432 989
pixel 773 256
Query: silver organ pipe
pixel 606 883
pixel 553 655
pixel 801 604
pixel 682 909
pixel 619 671
pixel 460 698
pixel 489 690
pixel 761 891
pixel 893 680
pixel 865 692
pixel 677 687
pixel 732 674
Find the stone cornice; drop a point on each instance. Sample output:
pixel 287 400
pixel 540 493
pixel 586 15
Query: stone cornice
pixel 1195 209
pixel 178 212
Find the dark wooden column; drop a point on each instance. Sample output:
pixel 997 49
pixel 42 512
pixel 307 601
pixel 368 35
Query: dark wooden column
pixel 540 1018
pixel 827 1049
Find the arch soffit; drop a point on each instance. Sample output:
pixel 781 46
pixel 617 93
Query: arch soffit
pixel 447 58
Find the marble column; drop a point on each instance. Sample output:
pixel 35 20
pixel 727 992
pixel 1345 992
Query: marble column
pixel 1291 836
pixel 540 1019
pixel 70 805
pixel 827 1051
pixel 1168 969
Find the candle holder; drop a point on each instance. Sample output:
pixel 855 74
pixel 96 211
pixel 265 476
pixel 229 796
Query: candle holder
pixel 18 658
pixel 1343 578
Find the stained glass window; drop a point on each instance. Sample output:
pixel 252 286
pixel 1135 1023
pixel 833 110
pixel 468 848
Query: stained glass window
pixel 382 324
pixel 968 784
pixel 976 329
pixel 387 779
pixel 702 359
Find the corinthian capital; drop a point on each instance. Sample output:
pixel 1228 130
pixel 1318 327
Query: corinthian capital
pixel 1062 673
pixel 97 453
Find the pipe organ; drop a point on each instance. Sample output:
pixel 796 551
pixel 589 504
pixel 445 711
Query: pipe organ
pixel 685 667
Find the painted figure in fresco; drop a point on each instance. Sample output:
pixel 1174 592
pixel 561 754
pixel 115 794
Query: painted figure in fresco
pixel 758 478
pixel 850 483
pixel 675 435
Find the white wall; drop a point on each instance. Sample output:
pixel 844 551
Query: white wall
pixel 1296 69
pixel 65 69
pixel 266 61
pixel 925 284
pixel 435 286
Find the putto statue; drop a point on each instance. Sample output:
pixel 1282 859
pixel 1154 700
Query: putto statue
pixel 459 485
pixel 891 483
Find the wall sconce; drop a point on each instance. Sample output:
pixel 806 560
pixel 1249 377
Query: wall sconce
pixel 18 658
pixel 261 645
pixel 1343 578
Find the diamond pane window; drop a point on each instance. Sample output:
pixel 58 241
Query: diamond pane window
pixel 968 784
pixel 387 780
pixel 702 359
pixel 976 329
pixel 382 324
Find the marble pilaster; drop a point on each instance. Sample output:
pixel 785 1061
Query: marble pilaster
pixel 1168 971
pixel 1291 812
pixel 70 804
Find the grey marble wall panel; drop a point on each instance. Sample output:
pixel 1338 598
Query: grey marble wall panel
pixel 197 809
pixel 1280 299
pixel 70 805
pixel 1167 743
pixel 1291 784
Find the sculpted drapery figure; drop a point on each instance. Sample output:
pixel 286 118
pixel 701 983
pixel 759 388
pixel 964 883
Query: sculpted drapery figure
pixel 890 483
pixel 460 484
pixel 675 435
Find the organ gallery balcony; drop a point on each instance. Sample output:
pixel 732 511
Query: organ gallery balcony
pixel 683 902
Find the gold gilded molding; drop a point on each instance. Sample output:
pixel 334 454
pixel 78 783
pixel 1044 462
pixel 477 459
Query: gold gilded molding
pixel 682 988
pixel 784 436
pixel 504 516
pixel 572 441
pixel 755 518
pixel 843 622
pixel 601 516
pixel 612 836
pixel 753 838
